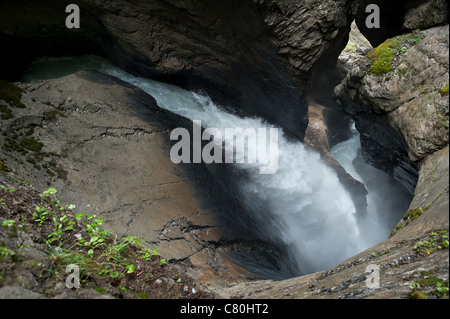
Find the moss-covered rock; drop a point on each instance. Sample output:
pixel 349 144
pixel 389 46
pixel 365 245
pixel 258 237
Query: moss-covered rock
pixel 30 143
pixel 11 94
pixel 383 56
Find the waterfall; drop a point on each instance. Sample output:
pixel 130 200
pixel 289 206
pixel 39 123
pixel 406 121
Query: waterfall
pixel 303 204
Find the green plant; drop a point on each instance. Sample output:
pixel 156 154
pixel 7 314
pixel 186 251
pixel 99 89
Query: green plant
pixel 41 215
pixel 415 40
pixel 8 222
pixel 130 268
pixel 60 226
pixel 12 190
pixel 147 253
pixel 6 252
pixel 94 250
pixel 435 241
pixel 414 285
pixel 442 289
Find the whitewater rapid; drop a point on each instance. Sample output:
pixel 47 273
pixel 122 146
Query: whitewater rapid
pixel 303 203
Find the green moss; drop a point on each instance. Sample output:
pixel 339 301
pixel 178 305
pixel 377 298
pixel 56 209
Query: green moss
pixel 50 116
pixel 31 160
pixel 413 213
pixel 48 103
pixel 30 131
pixel 383 55
pixel 6 113
pixel 61 173
pixel 11 94
pixel 445 90
pixel 31 144
pixel 432 281
pixel 141 295
pixel 418 295
pixel 410 215
pixel 2 166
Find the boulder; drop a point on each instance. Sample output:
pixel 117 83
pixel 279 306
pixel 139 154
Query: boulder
pixel 425 14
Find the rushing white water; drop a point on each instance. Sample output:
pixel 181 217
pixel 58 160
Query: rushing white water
pixel 386 199
pixel 303 203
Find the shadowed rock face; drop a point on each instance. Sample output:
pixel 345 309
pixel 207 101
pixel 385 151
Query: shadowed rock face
pixel 254 56
pixel 257 57
pixel 104 145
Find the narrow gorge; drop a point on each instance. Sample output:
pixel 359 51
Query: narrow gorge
pixel 362 115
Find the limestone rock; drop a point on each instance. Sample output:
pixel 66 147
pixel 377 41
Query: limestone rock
pixel 407 106
pixel 425 14
pixel 357 46
pixel 106 150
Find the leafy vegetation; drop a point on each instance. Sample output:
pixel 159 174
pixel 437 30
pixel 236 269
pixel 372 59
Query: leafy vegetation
pixel 430 286
pixel 121 267
pixel 94 249
pixel 434 242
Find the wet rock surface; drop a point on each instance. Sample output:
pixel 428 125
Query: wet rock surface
pixel 399 259
pixel 104 145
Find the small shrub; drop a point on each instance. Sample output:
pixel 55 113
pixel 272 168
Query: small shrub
pixel 31 144
pixel 11 94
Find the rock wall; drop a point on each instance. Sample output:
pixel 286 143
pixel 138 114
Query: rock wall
pixel 104 145
pixel 400 260
pixel 402 113
pixel 253 56
pixel 94 135
pixel 402 16
pixel 317 137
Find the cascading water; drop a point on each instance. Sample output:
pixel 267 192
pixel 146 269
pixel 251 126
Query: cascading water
pixel 387 200
pixel 303 204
